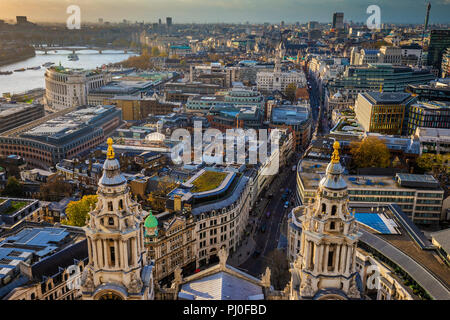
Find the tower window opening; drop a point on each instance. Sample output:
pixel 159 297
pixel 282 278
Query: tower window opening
pixel 110 206
pixel 332 225
pixel 330 258
pixel 120 204
pixel 324 207
pixel 111 221
pixel 112 254
pixel 333 210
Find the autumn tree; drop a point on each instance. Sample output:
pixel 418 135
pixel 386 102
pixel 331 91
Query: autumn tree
pixel 371 152
pixel 290 91
pixel 279 268
pixel 435 163
pixel 13 188
pixel 77 211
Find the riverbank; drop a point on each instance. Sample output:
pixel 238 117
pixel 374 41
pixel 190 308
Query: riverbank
pixel 16 58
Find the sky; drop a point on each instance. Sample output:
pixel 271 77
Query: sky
pixel 232 11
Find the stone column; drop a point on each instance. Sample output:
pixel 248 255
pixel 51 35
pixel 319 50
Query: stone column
pixel 105 253
pixel 343 253
pixel 136 254
pixel 336 258
pixel 125 253
pixel 349 256
pixel 354 258
pixel 94 254
pixel 325 258
pixel 316 258
pixel 116 253
pixel 100 259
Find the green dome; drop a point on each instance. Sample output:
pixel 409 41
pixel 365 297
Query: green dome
pixel 151 221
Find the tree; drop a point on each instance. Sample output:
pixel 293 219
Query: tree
pixel 157 197
pixel 77 211
pixel 13 188
pixel 290 91
pixel 435 163
pixel 279 268
pixel 155 52
pixel 371 152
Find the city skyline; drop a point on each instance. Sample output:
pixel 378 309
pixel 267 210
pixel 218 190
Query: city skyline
pixel 206 11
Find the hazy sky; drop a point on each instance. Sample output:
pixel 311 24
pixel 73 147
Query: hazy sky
pixel 274 11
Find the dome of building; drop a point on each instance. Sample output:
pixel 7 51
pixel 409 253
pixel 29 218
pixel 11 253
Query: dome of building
pixel 333 178
pixel 151 221
pixel 111 169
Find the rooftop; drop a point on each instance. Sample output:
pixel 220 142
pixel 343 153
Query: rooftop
pixel 386 97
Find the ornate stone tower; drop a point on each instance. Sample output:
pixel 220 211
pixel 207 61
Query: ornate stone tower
pixel 325 267
pixel 117 266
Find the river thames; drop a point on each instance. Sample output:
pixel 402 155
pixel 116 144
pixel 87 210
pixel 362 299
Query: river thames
pixel 32 79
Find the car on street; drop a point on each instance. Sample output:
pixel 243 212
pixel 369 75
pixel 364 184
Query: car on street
pixel 286 204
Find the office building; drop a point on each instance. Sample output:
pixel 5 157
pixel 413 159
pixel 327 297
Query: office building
pixel 431 114
pixel 68 88
pixel 338 20
pixel 17 114
pixel 382 112
pixel 296 118
pixel 439 42
pixel 62 136
pixel 237 96
pixel 445 67
pixel 390 78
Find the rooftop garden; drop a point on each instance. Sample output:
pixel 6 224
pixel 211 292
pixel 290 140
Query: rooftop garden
pixel 209 180
pixel 15 206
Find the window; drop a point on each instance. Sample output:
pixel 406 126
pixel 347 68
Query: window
pixel 110 206
pixel 332 225
pixel 324 207
pixel 112 255
pixel 111 221
pixel 333 210
pixel 120 204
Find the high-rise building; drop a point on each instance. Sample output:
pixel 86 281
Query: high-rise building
pixel 439 42
pixel 325 267
pixel 338 20
pixel 169 22
pixel 118 267
pixel 312 25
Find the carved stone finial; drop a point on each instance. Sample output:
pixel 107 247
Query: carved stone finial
pixel 178 277
pixel 223 256
pixel 266 278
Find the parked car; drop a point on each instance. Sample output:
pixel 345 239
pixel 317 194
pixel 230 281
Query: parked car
pixel 286 204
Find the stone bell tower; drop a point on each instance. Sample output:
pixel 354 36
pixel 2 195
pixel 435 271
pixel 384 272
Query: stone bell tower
pixel 325 267
pixel 117 266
